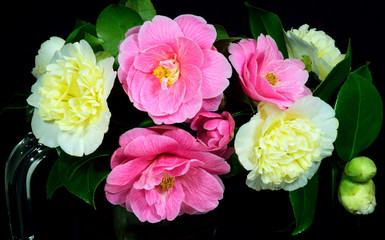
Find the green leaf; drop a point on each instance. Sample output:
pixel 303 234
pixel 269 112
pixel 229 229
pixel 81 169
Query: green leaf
pixel 235 166
pixel 267 23
pixel 303 202
pixel 79 175
pixel 359 111
pixel 112 23
pixel 221 32
pixel 81 29
pixel 84 182
pixel 144 7
pixel 329 87
pixel 53 182
pixel 364 72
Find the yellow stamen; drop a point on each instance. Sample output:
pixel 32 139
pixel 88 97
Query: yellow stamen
pixel 272 78
pixel 166 183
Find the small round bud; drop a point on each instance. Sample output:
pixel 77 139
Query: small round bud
pixel 360 169
pixel 356 197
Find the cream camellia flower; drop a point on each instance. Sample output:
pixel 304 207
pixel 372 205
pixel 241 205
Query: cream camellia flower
pixel 70 99
pixel 282 149
pixel 45 54
pixel 315 48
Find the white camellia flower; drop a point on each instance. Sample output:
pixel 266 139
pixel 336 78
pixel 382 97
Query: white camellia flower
pixel 282 149
pixel 70 98
pixel 45 54
pixel 315 48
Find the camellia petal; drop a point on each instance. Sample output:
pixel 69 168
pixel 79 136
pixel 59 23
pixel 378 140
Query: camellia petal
pixel 70 100
pixel 282 149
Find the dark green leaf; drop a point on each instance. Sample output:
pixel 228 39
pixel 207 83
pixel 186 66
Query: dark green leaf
pixel 329 87
pixel 235 166
pixel 364 72
pixel 267 23
pixel 78 175
pixel 84 182
pixel 144 7
pixel 82 28
pixel 359 111
pixel 53 182
pixel 303 202
pixel 112 23
pixel 221 32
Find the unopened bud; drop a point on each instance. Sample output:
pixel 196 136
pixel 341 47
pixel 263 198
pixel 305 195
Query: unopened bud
pixel 360 169
pixel 356 197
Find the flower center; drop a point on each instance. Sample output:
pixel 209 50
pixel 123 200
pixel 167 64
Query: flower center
pixel 287 149
pixel 72 92
pixel 166 183
pixel 167 72
pixel 272 78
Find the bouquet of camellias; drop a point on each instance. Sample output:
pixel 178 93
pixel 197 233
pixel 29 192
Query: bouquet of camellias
pixel 202 106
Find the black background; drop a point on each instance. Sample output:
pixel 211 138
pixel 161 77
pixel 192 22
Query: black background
pixel 243 213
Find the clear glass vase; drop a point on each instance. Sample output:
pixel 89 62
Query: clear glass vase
pixel 19 169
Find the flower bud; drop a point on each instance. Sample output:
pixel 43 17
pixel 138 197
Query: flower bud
pixel 357 198
pixel 360 169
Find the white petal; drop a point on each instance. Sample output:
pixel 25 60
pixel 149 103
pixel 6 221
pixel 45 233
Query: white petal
pixel 45 54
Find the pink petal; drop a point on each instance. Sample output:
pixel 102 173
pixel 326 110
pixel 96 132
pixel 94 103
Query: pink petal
pixel 150 145
pixel 161 30
pixel 116 198
pixel 126 174
pixel 128 49
pixel 185 111
pixel 187 51
pixel 147 60
pixel 192 77
pixel 174 165
pixel 141 208
pixel 186 141
pixel 131 31
pixel 211 104
pixel 212 163
pixel 149 92
pixel 172 97
pixel 215 73
pixel 130 135
pixel 202 190
pixel 197 29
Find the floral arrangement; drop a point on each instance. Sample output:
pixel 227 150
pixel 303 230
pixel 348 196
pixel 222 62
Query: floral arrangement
pixel 202 106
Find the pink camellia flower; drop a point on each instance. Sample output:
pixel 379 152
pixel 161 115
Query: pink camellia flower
pixel 162 172
pixel 170 69
pixel 264 74
pixel 214 130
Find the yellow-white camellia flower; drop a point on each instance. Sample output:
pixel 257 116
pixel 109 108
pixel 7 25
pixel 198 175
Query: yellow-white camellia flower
pixel 70 97
pixel 315 48
pixel 282 149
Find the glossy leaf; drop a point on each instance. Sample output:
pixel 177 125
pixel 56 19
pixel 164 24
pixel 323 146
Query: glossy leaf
pixel 303 202
pixel 144 7
pixel 359 111
pixel 81 28
pixel 267 23
pixel 78 175
pixel 329 87
pixel 112 23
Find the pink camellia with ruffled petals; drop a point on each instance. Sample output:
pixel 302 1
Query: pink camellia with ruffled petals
pixel 214 130
pixel 264 75
pixel 161 172
pixel 170 69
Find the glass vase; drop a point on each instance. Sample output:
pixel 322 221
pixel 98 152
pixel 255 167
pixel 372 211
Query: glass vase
pixel 19 169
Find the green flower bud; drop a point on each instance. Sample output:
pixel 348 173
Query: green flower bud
pixel 360 169
pixel 356 197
